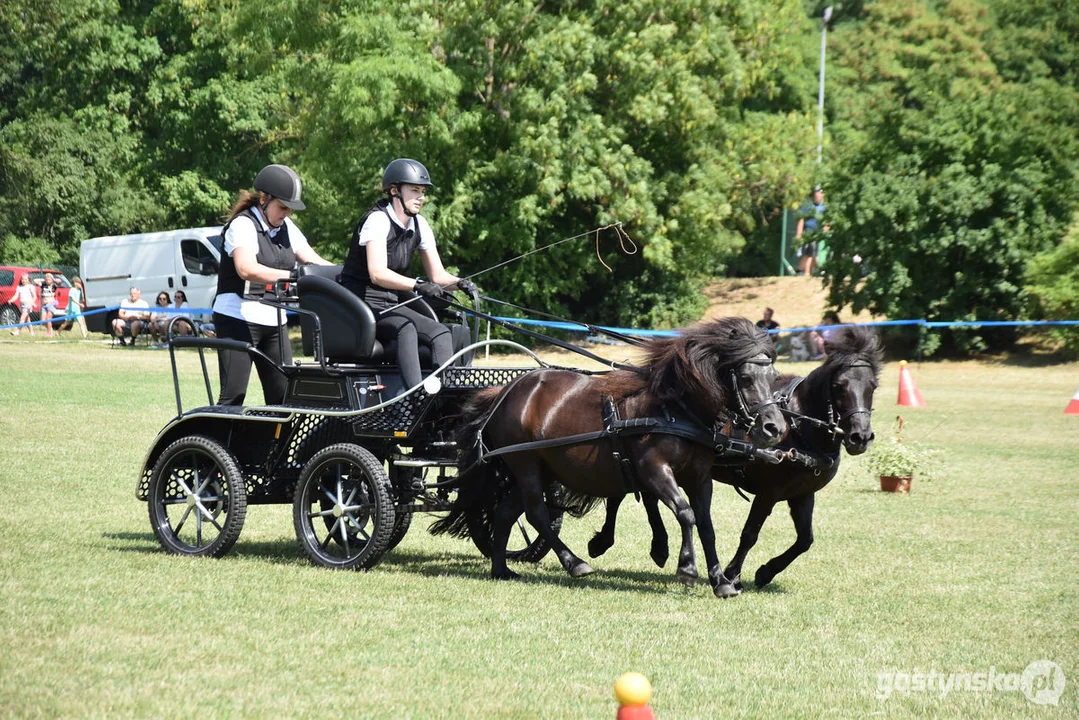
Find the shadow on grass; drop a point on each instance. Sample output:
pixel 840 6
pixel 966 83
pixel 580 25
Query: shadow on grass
pixel 477 567
pixel 472 566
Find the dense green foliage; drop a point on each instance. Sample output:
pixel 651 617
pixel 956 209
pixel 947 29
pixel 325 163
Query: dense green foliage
pixel 1053 279
pixel 950 147
pixel 956 164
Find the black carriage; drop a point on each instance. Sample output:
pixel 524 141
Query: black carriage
pixel 354 451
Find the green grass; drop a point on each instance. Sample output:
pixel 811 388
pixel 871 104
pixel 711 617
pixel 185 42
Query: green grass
pixel 976 569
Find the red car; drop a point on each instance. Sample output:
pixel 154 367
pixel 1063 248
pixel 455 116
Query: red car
pixel 11 276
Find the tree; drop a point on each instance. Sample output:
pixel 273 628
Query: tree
pixel 953 178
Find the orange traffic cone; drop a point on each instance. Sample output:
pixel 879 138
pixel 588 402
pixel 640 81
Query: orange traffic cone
pixel 908 391
pixel 633 692
pixel 1073 406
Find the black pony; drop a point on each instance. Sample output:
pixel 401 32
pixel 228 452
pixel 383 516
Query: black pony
pixel 831 408
pixel 689 381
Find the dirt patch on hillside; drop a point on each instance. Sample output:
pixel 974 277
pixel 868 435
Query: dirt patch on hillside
pixel 797 301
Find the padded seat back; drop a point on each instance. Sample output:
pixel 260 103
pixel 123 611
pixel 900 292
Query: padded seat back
pixel 348 323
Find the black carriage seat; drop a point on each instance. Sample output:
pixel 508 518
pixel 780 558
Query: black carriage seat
pixel 349 325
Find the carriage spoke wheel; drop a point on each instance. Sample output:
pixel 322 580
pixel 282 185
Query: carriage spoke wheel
pixel 342 510
pixel 525 543
pixel 197 498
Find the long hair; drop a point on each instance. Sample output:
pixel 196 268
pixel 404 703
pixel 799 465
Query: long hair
pixel 853 344
pixel 691 364
pixel 245 199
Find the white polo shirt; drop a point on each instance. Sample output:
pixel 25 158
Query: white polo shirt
pixel 242 233
pixel 377 228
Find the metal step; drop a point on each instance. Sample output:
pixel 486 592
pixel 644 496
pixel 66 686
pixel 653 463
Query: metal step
pixel 421 462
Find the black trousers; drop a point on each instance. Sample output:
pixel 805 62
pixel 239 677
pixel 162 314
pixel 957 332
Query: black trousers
pixel 409 328
pixel 234 367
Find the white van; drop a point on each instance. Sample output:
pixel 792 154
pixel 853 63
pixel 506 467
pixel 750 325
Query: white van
pixel 173 260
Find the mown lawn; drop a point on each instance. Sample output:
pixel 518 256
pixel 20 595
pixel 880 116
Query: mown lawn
pixel 974 572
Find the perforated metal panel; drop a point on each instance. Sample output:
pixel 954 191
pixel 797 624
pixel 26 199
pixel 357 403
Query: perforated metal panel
pixel 475 378
pixel 401 416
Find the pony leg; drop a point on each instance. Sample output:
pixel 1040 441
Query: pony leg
pixel 660 542
pixel 602 541
pixel 700 499
pixel 530 482
pixel 504 517
pixel 802 514
pixel 660 481
pixel 758 513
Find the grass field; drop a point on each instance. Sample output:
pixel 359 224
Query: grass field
pixel 974 572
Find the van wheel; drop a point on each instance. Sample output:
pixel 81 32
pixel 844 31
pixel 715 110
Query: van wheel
pixel 9 315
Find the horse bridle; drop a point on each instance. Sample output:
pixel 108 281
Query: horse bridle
pixel 747 416
pixel 832 425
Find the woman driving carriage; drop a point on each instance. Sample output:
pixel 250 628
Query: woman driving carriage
pixel 261 246
pixel 383 246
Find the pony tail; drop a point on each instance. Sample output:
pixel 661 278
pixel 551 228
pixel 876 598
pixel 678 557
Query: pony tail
pixel 244 200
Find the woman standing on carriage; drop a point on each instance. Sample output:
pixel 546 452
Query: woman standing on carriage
pixel 261 246
pixel 383 246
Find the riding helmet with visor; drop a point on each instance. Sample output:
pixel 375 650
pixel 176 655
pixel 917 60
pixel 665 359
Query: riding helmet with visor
pixel 282 184
pixel 403 171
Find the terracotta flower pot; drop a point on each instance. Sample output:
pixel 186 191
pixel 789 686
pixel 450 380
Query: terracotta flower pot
pixel 895 483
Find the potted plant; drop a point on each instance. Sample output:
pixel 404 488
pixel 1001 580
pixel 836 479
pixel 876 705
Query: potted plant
pixel 895 460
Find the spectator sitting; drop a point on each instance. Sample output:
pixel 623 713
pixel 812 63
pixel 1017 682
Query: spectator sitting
pixel 818 339
pixel 134 311
pixel 185 324
pixel 159 321
pixel 766 323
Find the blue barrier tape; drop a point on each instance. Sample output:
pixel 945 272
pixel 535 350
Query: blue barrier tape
pixel 874 323
pixel 575 327
pixel 63 318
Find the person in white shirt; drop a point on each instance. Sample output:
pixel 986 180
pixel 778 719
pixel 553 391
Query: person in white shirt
pixel 134 311
pixel 386 239
pixel 262 246
pixel 24 293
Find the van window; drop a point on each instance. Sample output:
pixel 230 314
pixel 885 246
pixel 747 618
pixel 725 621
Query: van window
pixel 197 258
pixel 7 277
pixel 216 241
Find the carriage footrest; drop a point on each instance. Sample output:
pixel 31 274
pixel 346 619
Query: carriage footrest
pixel 420 462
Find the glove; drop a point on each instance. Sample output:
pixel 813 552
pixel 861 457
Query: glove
pixel 466 286
pixel 428 289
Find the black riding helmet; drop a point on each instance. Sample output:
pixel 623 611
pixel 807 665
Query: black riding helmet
pixel 403 171
pixel 282 183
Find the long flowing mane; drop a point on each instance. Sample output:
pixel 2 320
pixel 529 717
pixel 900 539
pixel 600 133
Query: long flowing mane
pixel 689 365
pixel 851 345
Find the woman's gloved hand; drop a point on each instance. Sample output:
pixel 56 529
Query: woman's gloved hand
pixel 428 289
pixel 467 286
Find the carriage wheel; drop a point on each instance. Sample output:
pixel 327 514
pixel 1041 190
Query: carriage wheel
pixel 525 543
pixel 342 511
pixel 197 498
pixel 401 522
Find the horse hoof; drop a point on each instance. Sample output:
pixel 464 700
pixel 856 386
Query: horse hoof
pixel 726 590
pixel 763 577
pixel 659 555
pixel 596 547
pixel 580 569
pixel 687 578
pixel 505 575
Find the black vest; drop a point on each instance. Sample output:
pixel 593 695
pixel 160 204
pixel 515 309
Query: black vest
pixel 275 252
pixel 401 245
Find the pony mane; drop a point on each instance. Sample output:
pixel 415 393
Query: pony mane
pixel 851 345
pixel 690 364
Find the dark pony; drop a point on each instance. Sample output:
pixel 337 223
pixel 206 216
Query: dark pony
pixel 693 378
pixel 830 409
